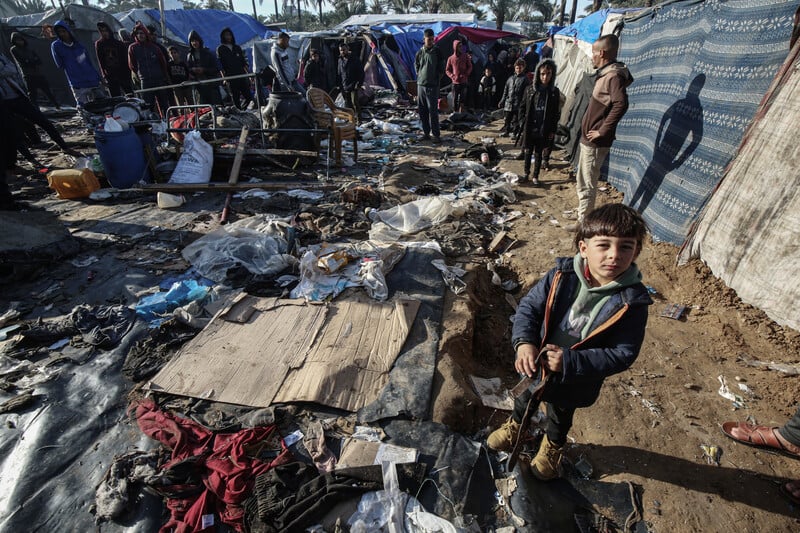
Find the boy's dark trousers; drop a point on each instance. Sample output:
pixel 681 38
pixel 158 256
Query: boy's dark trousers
pixel 488 101
pixel 559 417
pixel 510 125
pixel 536 147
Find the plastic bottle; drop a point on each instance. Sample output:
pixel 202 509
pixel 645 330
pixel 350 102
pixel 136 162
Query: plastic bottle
pixel 112 125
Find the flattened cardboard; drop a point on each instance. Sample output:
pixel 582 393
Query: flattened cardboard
pixel 349 364
pixel 260 351
pixel 244 363
pixel 356 452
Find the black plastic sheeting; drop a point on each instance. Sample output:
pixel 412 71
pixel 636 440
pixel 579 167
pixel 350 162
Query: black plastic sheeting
pixel 567 504
pixel 60 447
pixel 408 392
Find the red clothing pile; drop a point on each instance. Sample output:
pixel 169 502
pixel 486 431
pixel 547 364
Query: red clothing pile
pixel 226 468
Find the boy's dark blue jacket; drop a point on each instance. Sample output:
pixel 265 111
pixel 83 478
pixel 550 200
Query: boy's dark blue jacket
pixel 611 346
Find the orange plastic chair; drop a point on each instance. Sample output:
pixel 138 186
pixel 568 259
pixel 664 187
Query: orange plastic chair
pixel 339 121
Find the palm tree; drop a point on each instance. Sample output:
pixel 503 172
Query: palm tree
pixel 501 9
pixel 348 8
pixel 28 7
pixel 527 10
pixel 403 6
pixel 319 7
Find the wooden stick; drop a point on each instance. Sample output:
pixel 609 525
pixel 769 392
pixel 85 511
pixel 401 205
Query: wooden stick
pixel 225 187
pixel 234 176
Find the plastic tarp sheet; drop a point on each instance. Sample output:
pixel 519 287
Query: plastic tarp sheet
pixel 85 18
pixel 700 71
pixel 409 39
pixel 478 35
pixel 208 23
pixel 588 29
pixel 748 232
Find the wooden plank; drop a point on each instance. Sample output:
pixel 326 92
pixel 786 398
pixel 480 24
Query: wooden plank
pixel 224 187
pixel 226 152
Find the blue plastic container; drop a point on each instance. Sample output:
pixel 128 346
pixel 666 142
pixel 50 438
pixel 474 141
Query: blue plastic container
pixel 122 155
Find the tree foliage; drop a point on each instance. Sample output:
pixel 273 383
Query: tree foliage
pixel 28 7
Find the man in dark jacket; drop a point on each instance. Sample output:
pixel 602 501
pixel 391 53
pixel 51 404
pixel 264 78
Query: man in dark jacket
pixel 234 63
pixel 314 73
pixel 429 63
pixel 607 105
pixel 351 76
pixel 203 66
pixel 112 56
pixel 150 66
pixel 28 62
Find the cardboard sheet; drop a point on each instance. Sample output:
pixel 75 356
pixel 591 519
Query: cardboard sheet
pixel 263 350
pixel 349 364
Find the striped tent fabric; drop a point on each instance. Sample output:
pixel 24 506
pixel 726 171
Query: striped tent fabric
pixel 700 70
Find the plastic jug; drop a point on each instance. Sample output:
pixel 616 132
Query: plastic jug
pixel 73 182
pixel 111 125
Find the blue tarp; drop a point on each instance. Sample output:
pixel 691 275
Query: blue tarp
pixel 209 23
pixel 700 71
pixel 588 28
pixel 409 38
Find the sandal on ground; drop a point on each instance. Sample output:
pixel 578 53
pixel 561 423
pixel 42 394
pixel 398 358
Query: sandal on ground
pixel 759 436
pixel 786 493
pixel 535 182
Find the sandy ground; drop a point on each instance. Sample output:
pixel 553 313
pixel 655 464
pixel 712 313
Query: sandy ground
pixel 649 422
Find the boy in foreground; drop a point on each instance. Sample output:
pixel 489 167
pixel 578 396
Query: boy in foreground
pixel 584 321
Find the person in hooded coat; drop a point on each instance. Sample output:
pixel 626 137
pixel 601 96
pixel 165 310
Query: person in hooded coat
pixel 150 66
pixel 202 65
pixel 28 62
pixel 71 56
pixel 234 63
pixel 540 120
pixel 112 56
pixel 458 69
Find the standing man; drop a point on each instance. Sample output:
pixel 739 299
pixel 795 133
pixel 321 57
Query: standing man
pixel 150 66
pixel 351 76
pixel 202 65
pixel 112 56
pixel 285 69
pixel 314 73
pixel 28 62
pixel 234 63
pixel 429 64
pixel 608 103
pixel 459 67
pixel 71 57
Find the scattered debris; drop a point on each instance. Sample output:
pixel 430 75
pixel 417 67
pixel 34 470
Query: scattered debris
pixel 711 453
pixel 673 311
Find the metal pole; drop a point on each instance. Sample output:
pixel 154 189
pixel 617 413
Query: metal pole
pixel 163 20
pixel 255 15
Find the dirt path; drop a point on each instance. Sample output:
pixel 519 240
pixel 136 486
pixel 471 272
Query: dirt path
pixel 650 422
